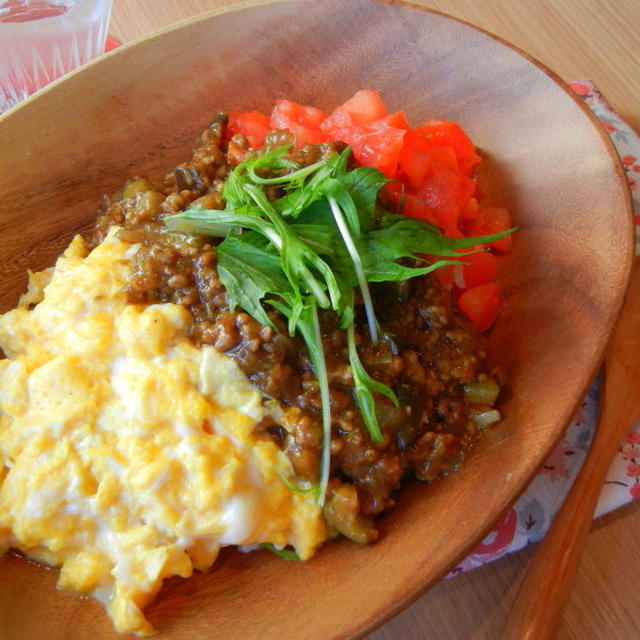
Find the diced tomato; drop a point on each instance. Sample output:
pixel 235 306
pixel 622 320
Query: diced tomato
pixel 379 149
pixel 446 191
pixel 434 166
pixel 346 135
pixel 415 160
pixel 395 120
pixel 444 133
pixel 480 268
pixel 481 304
pixel 413 207
pixel 430 170
pixel 470 210
pixel 337 124
pixel 402 202
pixel 432 174
pixel 287 111
pixel 445 156
pixel 253 125
pixel 364 107
pixel 392 192
pixel 362 122
pixel 488 221
pixel 303 122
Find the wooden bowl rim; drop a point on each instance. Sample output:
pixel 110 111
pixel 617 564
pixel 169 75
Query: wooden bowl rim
pixel 416 588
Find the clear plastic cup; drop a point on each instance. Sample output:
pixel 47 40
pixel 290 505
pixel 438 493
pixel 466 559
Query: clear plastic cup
pixel 41 40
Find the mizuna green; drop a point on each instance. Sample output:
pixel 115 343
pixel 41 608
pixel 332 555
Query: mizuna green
pixel 310 248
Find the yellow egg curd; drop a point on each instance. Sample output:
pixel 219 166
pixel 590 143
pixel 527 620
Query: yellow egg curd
pixel 128 455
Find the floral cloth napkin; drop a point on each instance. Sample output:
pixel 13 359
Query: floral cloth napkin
pixel 530 517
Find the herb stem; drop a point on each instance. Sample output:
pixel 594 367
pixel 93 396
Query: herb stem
pixel 365 386
pixel 289 238
pixel 309 327
pixel 275 239
pixel 292 176
pixel 357 263
pixel 312 283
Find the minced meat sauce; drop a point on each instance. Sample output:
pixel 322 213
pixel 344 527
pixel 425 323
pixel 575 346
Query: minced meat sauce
pixel 429 354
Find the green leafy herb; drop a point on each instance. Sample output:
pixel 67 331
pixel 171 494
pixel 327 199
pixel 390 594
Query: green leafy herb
pixel 365 388
pixel 348 240
pixel 287 554
pixel 313 247
pixel 293 487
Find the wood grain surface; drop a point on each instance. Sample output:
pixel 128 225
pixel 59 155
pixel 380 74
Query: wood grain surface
pixel 540 602
pixel 605 603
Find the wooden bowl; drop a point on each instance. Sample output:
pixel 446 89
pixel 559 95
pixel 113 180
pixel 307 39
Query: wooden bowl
pixel 140 109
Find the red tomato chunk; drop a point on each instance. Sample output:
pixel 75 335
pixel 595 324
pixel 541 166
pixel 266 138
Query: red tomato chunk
pixel 432 171
pixel 482 304
pixel 253 125
pixel 491 220
pixel 303 122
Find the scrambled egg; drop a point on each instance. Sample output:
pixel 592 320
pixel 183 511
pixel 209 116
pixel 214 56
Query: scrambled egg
pixel 127 455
